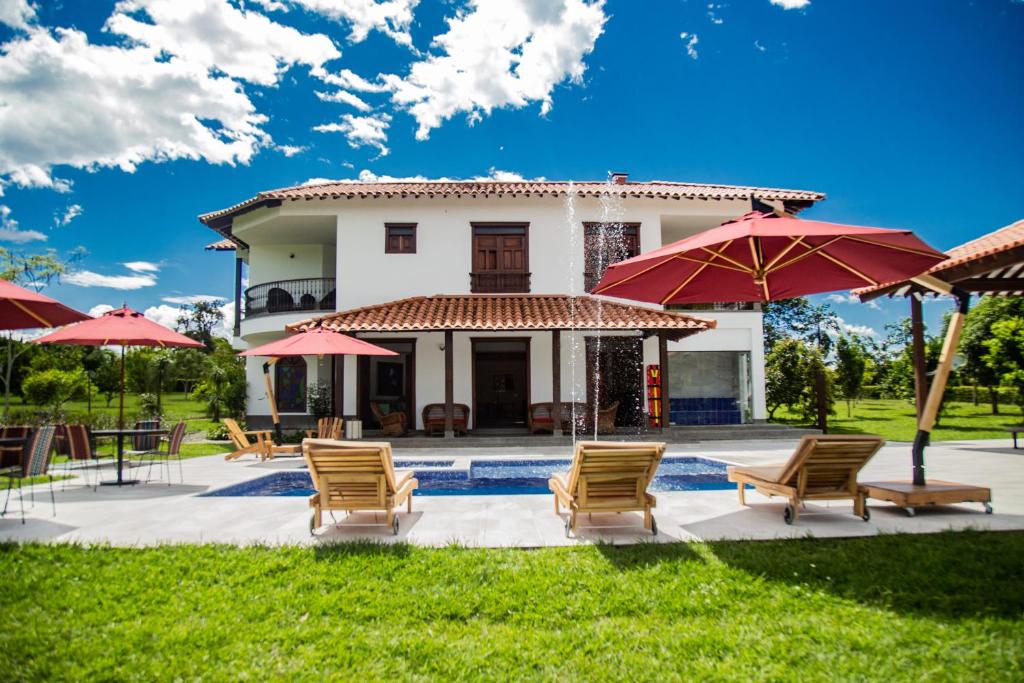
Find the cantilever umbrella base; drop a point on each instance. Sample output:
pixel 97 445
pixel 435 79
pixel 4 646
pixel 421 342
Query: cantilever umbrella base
pixel 911 496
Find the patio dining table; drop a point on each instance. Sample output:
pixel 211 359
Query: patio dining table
pixel 119 434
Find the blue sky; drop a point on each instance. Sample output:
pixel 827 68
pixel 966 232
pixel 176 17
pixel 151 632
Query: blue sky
pixel 146 113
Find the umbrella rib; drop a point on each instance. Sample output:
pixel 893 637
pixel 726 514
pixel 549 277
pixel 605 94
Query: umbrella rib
pixel 634 275
pixel 804 255
pixel 726 258
pixel 709 263
pixel 853 270
pixel 684 283
pixel 919 252
pixel 756 258
pixel 789 248
pixel 30 312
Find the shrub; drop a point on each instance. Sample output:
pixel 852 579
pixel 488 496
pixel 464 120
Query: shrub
pixel 218 432
pixel 319 400
pixel 53 388
pixel 148 405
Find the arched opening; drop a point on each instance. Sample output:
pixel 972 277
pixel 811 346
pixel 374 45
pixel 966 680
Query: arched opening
pixel 290 384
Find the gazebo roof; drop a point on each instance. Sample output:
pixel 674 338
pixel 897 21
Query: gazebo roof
pixel 508 312
pixel 990 264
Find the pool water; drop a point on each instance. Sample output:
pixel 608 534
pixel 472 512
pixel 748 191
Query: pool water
pixel 494 477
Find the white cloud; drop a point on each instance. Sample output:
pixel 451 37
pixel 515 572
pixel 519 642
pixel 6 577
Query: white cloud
pixel 72 212
pixel 390 17
pixel 226 328
pixel 70 102
pixel 369 131
pixel 191 299
pixel 344 97
pixel 17 13
pixel 290 150
pixel 759 46
pixel 214 34
pixel 88 278
pixel 791 4
pixel 499 54
pixel 691 44
pixel 99 309
pixel 164 315
pixel 350 80
pixel 141 266
pixel 10 232
pixel 851 299
pixel 715 19
pixel 367 176
pixel 860 330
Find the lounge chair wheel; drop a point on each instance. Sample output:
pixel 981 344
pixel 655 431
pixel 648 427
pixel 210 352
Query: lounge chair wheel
pixel 910 512
pixel 988 508
pixel 867 515
pixel 394 526
pixel 654 526
pixel 312 524
pixel 788 514
pixel 568 529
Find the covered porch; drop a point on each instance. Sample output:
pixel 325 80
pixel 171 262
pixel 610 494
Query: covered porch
pixel 484 363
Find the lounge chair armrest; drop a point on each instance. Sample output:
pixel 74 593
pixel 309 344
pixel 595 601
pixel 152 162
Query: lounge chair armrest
pixel 402 476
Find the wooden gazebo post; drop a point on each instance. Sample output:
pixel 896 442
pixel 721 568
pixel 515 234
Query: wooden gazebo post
pixel 449 385
pixel 663 364
pixel 556 382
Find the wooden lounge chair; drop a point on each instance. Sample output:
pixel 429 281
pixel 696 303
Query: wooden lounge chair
pixel 326 428
pixel 262 444
pixel 608 477
pixel 393 423
pixel 822 468
pixel 355 475
pixel 434 418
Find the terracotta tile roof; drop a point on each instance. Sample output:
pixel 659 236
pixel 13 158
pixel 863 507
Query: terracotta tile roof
pixel 471 188
pixel 507 312
pixel 221 245
pixel 978 249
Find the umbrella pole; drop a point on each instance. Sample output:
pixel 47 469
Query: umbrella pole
pixel 120 410
pixel 270 397
pixel 938 386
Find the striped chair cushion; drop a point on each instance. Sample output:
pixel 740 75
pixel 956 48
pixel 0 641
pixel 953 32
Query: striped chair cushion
pixel 175 438
pixel 435 413
pixel 38 451
pixel 147 442
pixel 79 442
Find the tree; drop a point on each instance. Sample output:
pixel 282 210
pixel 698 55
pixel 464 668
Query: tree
pixel 1006 354
pixel 785 375
pixel 54 387
pixel 850 364
pixel 800 319
pixel 223 383
pixel 187 367
pixel 198 321
pixel 977 331
pixel 34 271
pixel 319 400
pixel 107 375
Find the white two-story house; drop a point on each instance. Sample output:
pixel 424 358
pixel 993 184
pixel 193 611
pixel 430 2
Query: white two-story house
pixel 481 288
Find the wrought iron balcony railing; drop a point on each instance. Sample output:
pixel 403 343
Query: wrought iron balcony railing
pixel 285 296
pixel 499 283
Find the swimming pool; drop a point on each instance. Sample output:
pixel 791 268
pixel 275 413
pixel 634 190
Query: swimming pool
pixel 495 477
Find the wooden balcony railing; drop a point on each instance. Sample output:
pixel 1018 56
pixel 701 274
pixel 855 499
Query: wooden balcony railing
pixel 284 296
pixel 499 283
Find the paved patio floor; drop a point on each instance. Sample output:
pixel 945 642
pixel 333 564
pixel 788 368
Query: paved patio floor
pixel 154 513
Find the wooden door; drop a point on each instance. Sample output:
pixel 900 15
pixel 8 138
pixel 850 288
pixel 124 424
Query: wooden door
pixel 500 259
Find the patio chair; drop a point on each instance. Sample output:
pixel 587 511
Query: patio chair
pixel 326 428
pixel 393 422
pixel 822 467
pixel 606 419
pixel 608 477
pixel 11 455
pixel 262 445
pixel 35 463
pixel 355 475
pixel 434 418
pixel 173 440
pixel 143 444
pixel 79 445
pixel 540 418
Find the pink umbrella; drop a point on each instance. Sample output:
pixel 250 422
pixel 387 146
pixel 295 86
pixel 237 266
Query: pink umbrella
pixel 313 341
pixel 121 327
pixel 21 309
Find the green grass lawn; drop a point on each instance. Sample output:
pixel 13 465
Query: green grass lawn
pixel 928 607
pixel 896 420
pixel 175 407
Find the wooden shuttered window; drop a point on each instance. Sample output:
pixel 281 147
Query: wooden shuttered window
pixel 399 238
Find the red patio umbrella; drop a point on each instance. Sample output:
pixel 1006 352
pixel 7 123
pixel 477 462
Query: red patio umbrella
pixel 21 309
pixel 313 341
pixel 765 257
pixel 121 327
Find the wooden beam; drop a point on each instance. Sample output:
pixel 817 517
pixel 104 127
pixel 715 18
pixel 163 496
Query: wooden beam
pixel 556 382
pixel 449 385
pixel 994 284
pixel 917 353
pixel 238 296
pixel 663 363
pixel 338 375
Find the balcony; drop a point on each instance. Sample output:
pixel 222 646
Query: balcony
pixel 499 283
pixel 286 296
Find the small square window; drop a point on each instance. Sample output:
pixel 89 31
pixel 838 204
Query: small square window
pixel 399 238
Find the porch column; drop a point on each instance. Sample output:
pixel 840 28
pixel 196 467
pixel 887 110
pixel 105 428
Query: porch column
pixel 238 295
pixel 556 382
pixel 338 368
pixel 917 353
pixel 663 364
pixel 449 385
